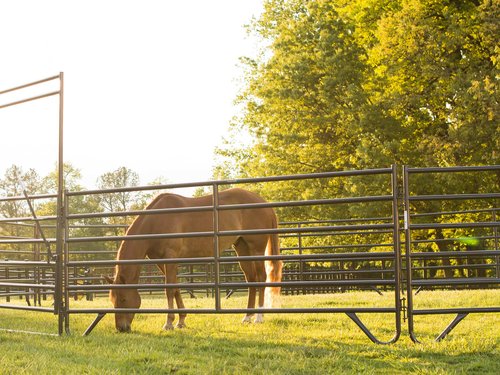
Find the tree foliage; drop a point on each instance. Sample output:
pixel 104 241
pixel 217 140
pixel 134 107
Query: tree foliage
pixel 121 177
pixel 360 84
pixel 13 206
pixel 367 83
pixel 15 183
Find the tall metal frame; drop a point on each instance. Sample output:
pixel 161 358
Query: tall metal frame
pixel 59 304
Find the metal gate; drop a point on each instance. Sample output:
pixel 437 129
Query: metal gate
pixel 356 249
pixel 452 238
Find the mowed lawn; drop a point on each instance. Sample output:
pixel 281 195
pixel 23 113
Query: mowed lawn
pixel 284 344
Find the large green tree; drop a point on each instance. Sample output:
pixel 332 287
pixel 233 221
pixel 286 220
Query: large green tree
pixel 356 84
pixel 366 83
pixel 435 73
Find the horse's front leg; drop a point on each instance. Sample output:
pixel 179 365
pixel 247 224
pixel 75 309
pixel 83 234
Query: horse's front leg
pixel 180 305
pixel 249 271
pixel 170 316
pixel 250 305
pixel 170 278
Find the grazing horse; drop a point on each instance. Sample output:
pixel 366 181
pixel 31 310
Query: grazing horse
pixel 197 221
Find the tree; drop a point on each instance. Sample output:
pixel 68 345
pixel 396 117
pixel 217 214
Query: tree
pixel 367 83
pixel 357 84
pixel 435 66
pixel 72 177
pixel 119 201
pixel 121 177
pixel 14 184
pixel 299 102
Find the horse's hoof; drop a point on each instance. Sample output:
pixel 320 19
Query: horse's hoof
pixel 181 325
pixel 259 318
pixel 247 319
pixel 168 327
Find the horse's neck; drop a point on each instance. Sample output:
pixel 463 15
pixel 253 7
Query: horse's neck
pixel 130 250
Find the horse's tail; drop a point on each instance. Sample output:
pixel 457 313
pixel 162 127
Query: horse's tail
pixel 273 269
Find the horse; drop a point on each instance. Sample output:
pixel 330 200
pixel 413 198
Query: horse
pixel 198 221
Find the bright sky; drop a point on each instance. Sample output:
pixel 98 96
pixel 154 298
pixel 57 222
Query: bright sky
pixel 149 84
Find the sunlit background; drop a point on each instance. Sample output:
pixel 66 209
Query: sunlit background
pixel 148 85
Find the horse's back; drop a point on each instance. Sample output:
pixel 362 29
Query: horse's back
pixel 239 196
pixel 197 221
pixel 230 196
pixel 239 218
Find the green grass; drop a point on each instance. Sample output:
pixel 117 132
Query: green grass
pixel 284 344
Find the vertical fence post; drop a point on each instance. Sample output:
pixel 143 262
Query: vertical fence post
pixel 409 292
pixel 301 262
pixel 66 260
pixel 7 289
pixel 216 246
pixel 495 234
pixel 60 269
pixel 36 270
pixel 396 249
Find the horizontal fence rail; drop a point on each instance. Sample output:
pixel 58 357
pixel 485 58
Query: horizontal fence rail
pixel 29 99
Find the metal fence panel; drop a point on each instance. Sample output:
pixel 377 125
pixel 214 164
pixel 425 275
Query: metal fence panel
pixel 451 236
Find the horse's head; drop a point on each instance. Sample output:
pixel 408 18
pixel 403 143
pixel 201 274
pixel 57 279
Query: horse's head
pixel 124 298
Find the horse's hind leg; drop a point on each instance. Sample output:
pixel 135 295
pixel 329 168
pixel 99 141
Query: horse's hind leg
pixel 255 271
pixel 261 277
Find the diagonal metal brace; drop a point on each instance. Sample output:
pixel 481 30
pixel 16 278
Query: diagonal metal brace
pixel 452 325
pixel 94 323
pixel 367 332
pixel 39 227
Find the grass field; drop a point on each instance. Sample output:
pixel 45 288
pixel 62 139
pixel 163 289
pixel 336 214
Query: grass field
pixel 284 344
